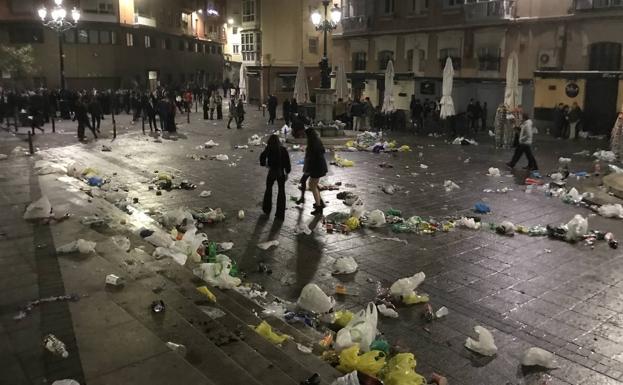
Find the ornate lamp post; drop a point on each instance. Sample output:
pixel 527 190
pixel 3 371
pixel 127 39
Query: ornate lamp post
pixel 326 25
pixel 58 22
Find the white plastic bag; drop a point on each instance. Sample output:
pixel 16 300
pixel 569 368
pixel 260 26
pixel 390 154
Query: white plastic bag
pixel 217 274
pixel 349 379
pixel 360 330
pixel 205 194
pixel 493 171
pixel 176 255
pixel 313 299
pixel 345 265
pixel 485 344
pixel 405 287
pixel 176 217
pixel 222 157
pixel 121 242
pixel 190 242
pixel 39 209
pixel 469 223
pixel 611 211
pixel 268 245
pixel 81 246
pixel 376 218
pixel 66 382
pixel 450 186
pixel 357 209
pixel 160 239
pixel 539 357
pixel 577 228
pixel 508 228
pixel 387 312
pixel 606 156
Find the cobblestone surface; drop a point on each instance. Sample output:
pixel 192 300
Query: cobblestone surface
pixel 565 298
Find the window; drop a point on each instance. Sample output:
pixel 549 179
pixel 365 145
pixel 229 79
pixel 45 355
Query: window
pixel 147 41
pixel 384 58
pixel 25 35
pixel 185 20
pixel 248 10
pixel 94 36
pixel 234 30
pixel 97 6
pixel 452 53
pixel 70 36
pixel 188 46
pixel 180 45
pixel 605 56
pixel 410 60
pixel 489 59
pixel 219 50
pixel 236 48
pixel 83 36
pixel 285 82
pixel 113 37
pixel 142 8
pixel 129 39
pixel 359 61
pixel 388 7
pixel 419 6
pixel 313 45
pixel 166 43
pixel 105 37
pixel 250 45
pixel 453 3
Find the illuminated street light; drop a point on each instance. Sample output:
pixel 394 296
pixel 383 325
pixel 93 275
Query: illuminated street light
pixel 59 23
pixel 326 25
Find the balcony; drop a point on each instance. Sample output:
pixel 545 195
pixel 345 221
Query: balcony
pixel 146 21
pixel 582 5
pixel 490 10
pixel 99 17
pixel 355 24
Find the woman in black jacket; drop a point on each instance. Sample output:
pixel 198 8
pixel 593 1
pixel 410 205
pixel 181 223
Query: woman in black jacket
pixel 315 166
pixel 277 159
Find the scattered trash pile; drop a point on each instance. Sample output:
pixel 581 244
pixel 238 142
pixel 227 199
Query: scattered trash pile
pixel 464 141
pixel 374 142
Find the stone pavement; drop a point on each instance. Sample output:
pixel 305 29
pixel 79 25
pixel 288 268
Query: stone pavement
pixel 565 298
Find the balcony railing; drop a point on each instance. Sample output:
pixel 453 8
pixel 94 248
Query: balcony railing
pixel 147 21
pixel 490 10
pixel 582 5
pixel 355 24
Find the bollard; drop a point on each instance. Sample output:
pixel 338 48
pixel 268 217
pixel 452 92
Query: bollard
pixel 30 146
pixel 54 124
pixel 188 116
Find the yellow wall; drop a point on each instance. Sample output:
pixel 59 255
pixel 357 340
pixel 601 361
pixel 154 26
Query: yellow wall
pixel 544 97
pixel 126 11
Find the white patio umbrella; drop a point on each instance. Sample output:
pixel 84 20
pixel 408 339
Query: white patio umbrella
pixel 447 105
pixel 341 82
pixel 242 83
pixel 388 95
pixel 511 92
pixel 301 90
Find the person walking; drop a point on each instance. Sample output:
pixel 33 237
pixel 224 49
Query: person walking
pixel 82 117
pixel 150 111
pixel 163 113
pixel 206 107
pixel 218 99
pixel 212 105
pixel 573 116
pixel 315 166
pixel 276 158
pixel 272 108
pixel 286 111
pixel 232 112
pixel 524 146
pixel 239 114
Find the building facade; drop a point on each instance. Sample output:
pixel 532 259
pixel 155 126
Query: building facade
pixel 270 38
pixel 569 51
pixel 121 43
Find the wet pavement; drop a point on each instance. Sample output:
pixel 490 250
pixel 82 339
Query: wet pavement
pixel 529 291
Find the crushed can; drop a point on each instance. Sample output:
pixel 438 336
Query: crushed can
pixel 428 314
pixel 158 306
pixel 55 345
pixel 114 280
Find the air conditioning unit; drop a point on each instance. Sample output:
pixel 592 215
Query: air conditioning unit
pixel 547 58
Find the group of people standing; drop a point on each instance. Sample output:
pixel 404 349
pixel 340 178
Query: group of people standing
pixel 567 121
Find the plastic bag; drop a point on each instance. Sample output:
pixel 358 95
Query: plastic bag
pixel 406 286
pixel 39 209
pixel 469 223
pixel 611 211
pixel 349 379
pixel 343 162
pixel 81 246
pixel 313 299
pixel 450 186
pixel 217 274
pixel 222 157
pixel 357 209
pixel 400 370
pixel 415 298
pixel 345 265
pixel 539 357
pixel 376 218
pixel 165 252
pixel 66 382
pixel 369 363
pixel 482 208
pixel 387 312
pixel 176 217
pixel 506 228
pixel 576 228
pixel 352 223
pixel 160 239
pixel 121 242
pixel 361 330
pixel 485 344
pixel 607 156
pixel 343 317
pixel 493 171
pixel 190 243
pixel 268 245
pixel 266 331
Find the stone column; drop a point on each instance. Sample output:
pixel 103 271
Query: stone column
pixel 324 104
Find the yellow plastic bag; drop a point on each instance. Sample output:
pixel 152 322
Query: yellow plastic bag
pixel 352 223
pixel 205 291
pixel 343 162
pixel 369 363
pixel 89 172
pixel 343 317
pixel 266 331
pixel 415 298
pixel 392 144
pixel 404 148
pixel 400 370
pixel 350 143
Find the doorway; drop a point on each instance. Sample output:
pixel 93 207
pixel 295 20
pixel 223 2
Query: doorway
pixel 152 79
pixel 600 105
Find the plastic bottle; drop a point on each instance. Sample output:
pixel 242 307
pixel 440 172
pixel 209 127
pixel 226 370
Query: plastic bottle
pixel 54 345
pixel 212 251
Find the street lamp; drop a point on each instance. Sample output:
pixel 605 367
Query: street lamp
pixel 58 22
pixel 326 25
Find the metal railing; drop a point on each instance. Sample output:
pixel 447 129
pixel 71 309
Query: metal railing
pixel 490 10
pixel 355 24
